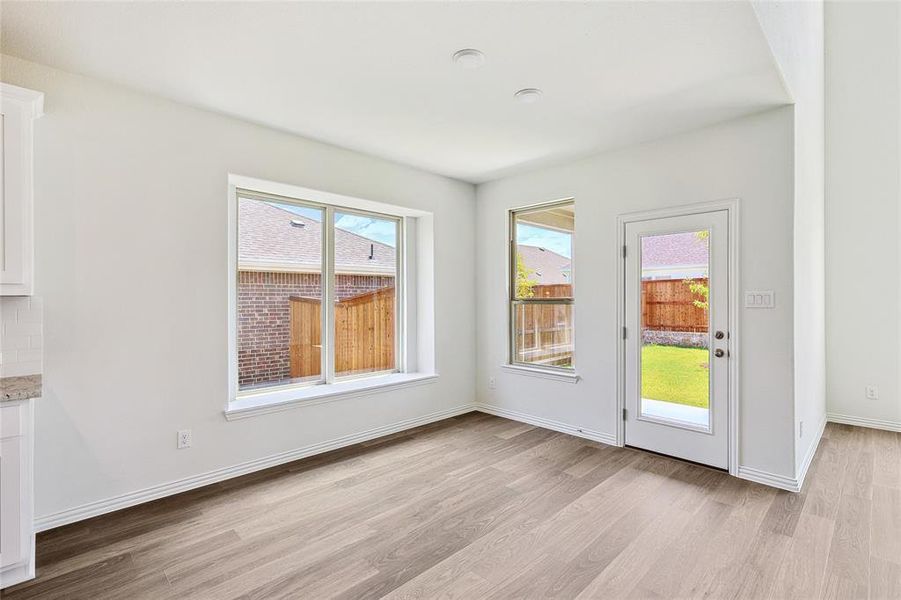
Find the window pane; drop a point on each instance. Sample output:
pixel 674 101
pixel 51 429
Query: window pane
pixel 365 295
pixel 544 250
pixel 675 355
pixel 279 293
pixel 543 334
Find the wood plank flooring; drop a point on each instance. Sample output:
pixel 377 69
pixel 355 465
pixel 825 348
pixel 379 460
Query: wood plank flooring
pixel 482 507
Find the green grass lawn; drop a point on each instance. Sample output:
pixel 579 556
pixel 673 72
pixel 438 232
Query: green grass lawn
pixel 675 374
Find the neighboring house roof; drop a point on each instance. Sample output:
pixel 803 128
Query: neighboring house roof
pixel 673 251
pixel 271 238
pixel 549 267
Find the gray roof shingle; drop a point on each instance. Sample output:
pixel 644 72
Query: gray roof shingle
pixel 549 267
pixel 673 250
pixel 272 236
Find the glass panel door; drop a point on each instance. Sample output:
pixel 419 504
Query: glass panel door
pixel 677 342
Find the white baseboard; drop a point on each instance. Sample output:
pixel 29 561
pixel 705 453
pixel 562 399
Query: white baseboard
pixel 101 507
pixel 590 434
pixel 792 484
pixel 864 422
pixel 93 509
pixel 771 479
pixel 811 452
pixel 795 485
pixel 22 571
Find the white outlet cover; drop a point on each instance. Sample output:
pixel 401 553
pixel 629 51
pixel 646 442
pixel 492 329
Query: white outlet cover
pixel 184 438
pixel 760 299
pixel 872 392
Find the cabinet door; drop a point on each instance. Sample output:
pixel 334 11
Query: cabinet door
pixel 11 501
pixel 16 222
pixel 18 109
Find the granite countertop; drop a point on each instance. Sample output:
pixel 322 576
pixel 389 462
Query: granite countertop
pixel 20 388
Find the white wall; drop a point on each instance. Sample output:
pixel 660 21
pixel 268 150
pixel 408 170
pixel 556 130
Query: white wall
pixel 863 193
pixel 794 31
pixel 749 158
pixel 130 206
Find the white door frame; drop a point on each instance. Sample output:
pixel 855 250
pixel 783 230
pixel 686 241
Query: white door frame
pixel 731 206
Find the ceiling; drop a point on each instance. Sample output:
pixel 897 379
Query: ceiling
pixel 378 77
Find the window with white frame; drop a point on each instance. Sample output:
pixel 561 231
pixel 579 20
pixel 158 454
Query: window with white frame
pixel 318 293
pixel 542 292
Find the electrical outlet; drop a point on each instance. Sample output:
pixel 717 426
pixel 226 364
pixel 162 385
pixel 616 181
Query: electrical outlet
pixel 184 438
pixel 872 392
pixel 492 383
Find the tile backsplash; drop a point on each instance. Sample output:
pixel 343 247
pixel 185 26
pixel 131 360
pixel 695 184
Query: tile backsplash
pixel 21 335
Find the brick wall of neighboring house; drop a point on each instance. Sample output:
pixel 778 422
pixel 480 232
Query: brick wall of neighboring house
pixel 264 317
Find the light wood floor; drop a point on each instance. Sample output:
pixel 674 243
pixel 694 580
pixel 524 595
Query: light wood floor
pixel 482 507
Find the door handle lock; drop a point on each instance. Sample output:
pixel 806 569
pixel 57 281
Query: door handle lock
pixel 719 353
pixel 719 335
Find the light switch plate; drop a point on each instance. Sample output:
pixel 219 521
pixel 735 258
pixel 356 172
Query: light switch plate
pixel 760 299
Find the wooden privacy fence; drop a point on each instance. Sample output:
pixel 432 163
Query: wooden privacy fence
pixel 305 346
pixel 364 334
pixel 553 290
pixel 544 333
pixel 668 305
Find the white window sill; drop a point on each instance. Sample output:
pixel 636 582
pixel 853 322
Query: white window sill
pixel 554 374
pixel 271 401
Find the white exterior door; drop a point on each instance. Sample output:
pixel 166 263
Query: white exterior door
pixel 677 341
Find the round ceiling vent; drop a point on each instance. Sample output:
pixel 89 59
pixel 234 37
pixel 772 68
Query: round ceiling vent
pixel 469 58
pixel 528 95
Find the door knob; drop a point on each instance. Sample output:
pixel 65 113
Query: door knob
pixel 719 353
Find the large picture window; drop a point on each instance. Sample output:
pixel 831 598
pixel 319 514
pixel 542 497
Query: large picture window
pixel 318 290
pixel 542 292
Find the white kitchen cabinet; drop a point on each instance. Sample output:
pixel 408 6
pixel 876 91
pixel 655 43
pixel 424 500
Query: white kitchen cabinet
pixel 16 490
pixel 19 108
